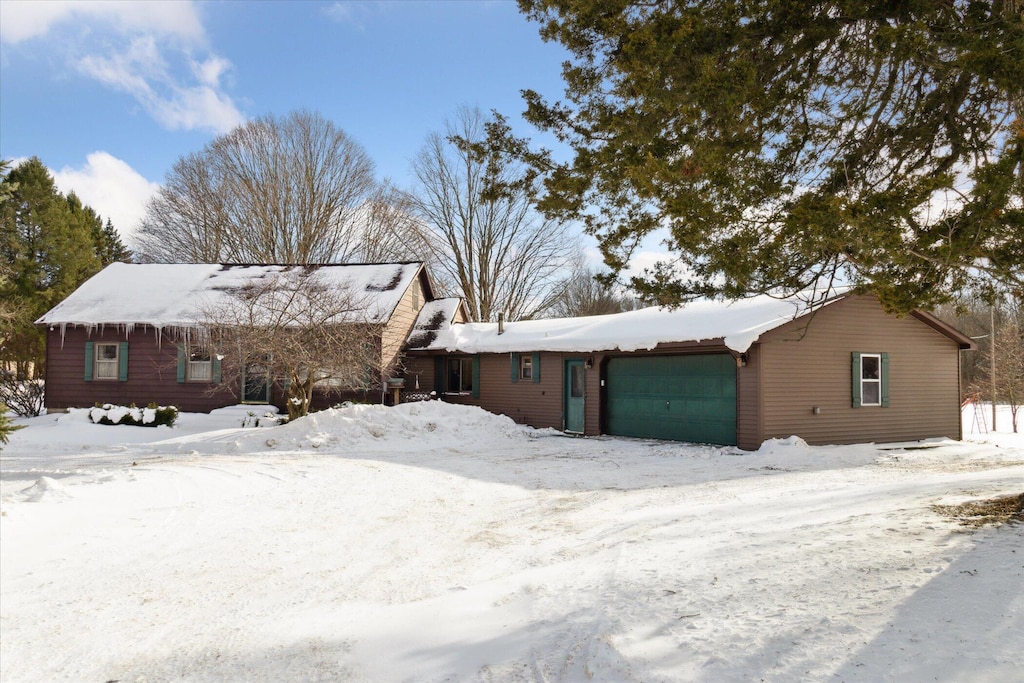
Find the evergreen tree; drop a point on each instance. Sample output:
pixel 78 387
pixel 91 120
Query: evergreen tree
pixel 107 244
pixel 6 188
pixel 787 145
pixel 6 427
pixel 109 247
pixel 47 240
pixel 8 309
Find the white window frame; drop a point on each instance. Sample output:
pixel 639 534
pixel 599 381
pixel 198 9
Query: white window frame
pixel 869 380
pixel 199 370
pixel 106 368
pixel 526 366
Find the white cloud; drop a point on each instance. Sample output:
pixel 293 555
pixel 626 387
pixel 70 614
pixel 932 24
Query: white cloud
pixel 355 13
pixel 130 71
pixel 112 188
pixel 142 72
pixel 147 53
pixel 344 13
pixel 26 19
pixel 210 71
pixel 197 107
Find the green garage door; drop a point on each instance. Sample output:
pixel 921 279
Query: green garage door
pixel 684 398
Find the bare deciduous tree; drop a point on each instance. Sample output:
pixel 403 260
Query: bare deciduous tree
pixel 186 221
pixel 1009 361
pixel 498 251
pixel 306 334
pixel 996 321
pixel 583 294
pixel 389 230
pixel 274 190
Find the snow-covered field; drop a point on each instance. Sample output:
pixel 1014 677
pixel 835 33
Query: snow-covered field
pixel 434 542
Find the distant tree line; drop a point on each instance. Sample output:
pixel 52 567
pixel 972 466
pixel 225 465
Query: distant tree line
pixel 50 243
pixel 996 323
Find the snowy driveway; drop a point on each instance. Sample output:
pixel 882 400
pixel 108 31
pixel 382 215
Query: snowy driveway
pixel 440 543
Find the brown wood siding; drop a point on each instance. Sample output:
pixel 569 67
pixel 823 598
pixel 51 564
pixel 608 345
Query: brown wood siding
pixel 808 365
pixel 748 407
pixel 538 404
pixel 397 329
pixel 152 373
pixel 419 370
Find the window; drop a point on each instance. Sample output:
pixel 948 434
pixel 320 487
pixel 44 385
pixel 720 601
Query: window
pixel 200 367
pixel 106 362
pixel 525 367
pixel 197 365
pixel 576 381
pixel 870 379
pixel 415 298
pixel 460 376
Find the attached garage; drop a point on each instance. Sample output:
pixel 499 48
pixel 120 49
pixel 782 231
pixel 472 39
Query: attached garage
pixel 683 398
pixel 729 373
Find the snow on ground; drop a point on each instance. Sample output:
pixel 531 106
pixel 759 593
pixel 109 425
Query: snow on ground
pixel 433 542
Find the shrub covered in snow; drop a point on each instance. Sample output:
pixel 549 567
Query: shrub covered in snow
pixel 266 419
pixel 150 416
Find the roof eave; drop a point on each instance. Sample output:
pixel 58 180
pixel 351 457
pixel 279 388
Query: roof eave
pixel 965 342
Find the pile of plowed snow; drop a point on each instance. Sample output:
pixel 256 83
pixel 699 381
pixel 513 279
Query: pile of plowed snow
pixel 369 428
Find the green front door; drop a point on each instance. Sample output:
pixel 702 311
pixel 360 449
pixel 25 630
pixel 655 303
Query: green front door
pixel 575 396
pixel 683 398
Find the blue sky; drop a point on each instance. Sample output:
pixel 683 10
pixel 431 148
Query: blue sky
pixel 110 94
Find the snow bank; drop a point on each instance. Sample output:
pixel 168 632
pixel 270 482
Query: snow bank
pixel 782 446
pixel 45 488
pixel 375 428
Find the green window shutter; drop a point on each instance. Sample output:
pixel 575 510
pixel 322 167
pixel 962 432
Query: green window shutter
pixel 536 368
pixel 215 369
pixel 122 362
pixel 885 380
pixel 515 367
pixel 182 362
pixel 855 378
pixel 439 375
pixel 89 357
pixel 476 376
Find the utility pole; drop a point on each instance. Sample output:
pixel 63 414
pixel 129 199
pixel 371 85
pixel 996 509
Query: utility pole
pixel 992 359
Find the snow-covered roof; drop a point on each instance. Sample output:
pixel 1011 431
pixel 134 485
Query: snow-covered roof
pixel 174 295
pixel 738 323
pixel 434 317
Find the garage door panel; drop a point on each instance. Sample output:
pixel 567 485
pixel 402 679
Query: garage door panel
pixel 685 398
